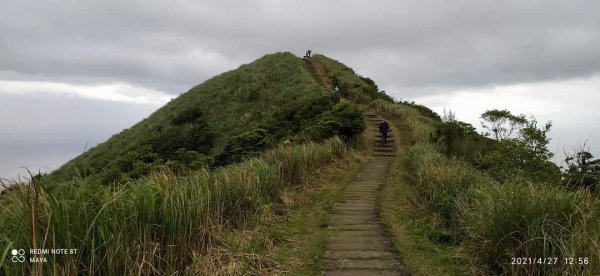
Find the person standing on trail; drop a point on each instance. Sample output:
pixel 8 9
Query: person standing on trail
pixel 336 89
pixel 383 129
pixel 308 53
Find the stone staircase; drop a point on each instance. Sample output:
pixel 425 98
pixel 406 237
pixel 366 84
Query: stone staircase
pixel 358 244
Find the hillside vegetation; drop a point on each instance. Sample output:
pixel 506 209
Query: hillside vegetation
pixel 501 202
pixel 211 161
pixel 228 117
pixel 178 192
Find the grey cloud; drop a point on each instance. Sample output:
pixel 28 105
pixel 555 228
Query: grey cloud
pixel 410 48
pixel 44 131
pixel 176 44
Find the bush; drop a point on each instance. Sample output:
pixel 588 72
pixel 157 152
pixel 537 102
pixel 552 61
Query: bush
pixel 187 115
pixel 246 144
pixel 299 115
pixel 344 120
pixel 195 137
pixel 529 220
pixel 313 119
pixel 459 139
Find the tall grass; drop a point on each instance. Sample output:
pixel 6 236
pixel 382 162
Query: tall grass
pixel 531 220
pixel 413 126
pixel 495 222
pixel 154 225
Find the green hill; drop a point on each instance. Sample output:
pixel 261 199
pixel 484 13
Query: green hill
pixel 238 175
pixel 272 99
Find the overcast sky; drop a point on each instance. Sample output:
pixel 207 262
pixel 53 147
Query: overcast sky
pixel 76 72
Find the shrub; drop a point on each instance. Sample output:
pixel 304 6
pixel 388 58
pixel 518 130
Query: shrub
pixel 195 137
pixel 246 144
pixel 187 115
pixel 459 139
pixel 345 120
pixel 529 220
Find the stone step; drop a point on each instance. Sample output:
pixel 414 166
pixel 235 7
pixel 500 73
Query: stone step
pixel 361 264
pixel 364 188
pixel 378 144
pixel 371 206
pixel 360 193
pixel 371 246
pixel 355 212
pixel 354 208
pixel 359 197
pixel 356 227
pixel 359 233
pixel 358 202
pixel 372 194
pixel 357 239
pixel 383 150
pixel 355 203
pixel 357 244
pixel 362 272
pixel 354 220
pixel 359 254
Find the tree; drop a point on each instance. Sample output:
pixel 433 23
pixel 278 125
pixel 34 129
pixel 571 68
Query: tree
pixel 502 123
pixel 583 171
pixel 526 154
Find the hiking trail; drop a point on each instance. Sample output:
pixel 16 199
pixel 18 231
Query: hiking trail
pixel 358 244
pixel 319 73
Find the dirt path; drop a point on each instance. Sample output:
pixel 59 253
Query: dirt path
pixel 358 244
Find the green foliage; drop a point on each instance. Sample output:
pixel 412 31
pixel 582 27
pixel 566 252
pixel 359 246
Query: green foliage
pixel 521 219
pixel 498 221
pixel 196 136
pixel 157 224
pixel 413 126
pixel 425 111
pixel 583 171
pixel 502 123
pixel 459 139
pixel 344 119
pixel 354 87
pixel 188 115
pixel 246 144
pixel 293 118
pixel 525 215
pixel 525 156
pixel 206 117
pixel 439 181
pixel 312 119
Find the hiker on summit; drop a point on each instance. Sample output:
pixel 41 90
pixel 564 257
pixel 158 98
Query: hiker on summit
pixel 383 129
pixel 308 53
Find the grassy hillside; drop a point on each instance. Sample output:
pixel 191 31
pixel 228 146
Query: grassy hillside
pixel 251 101
pixel 245 138
pixel 250 137
pixel 500 219
pixel 499 205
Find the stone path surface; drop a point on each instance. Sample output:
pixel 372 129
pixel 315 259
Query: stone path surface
pixel 358 244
